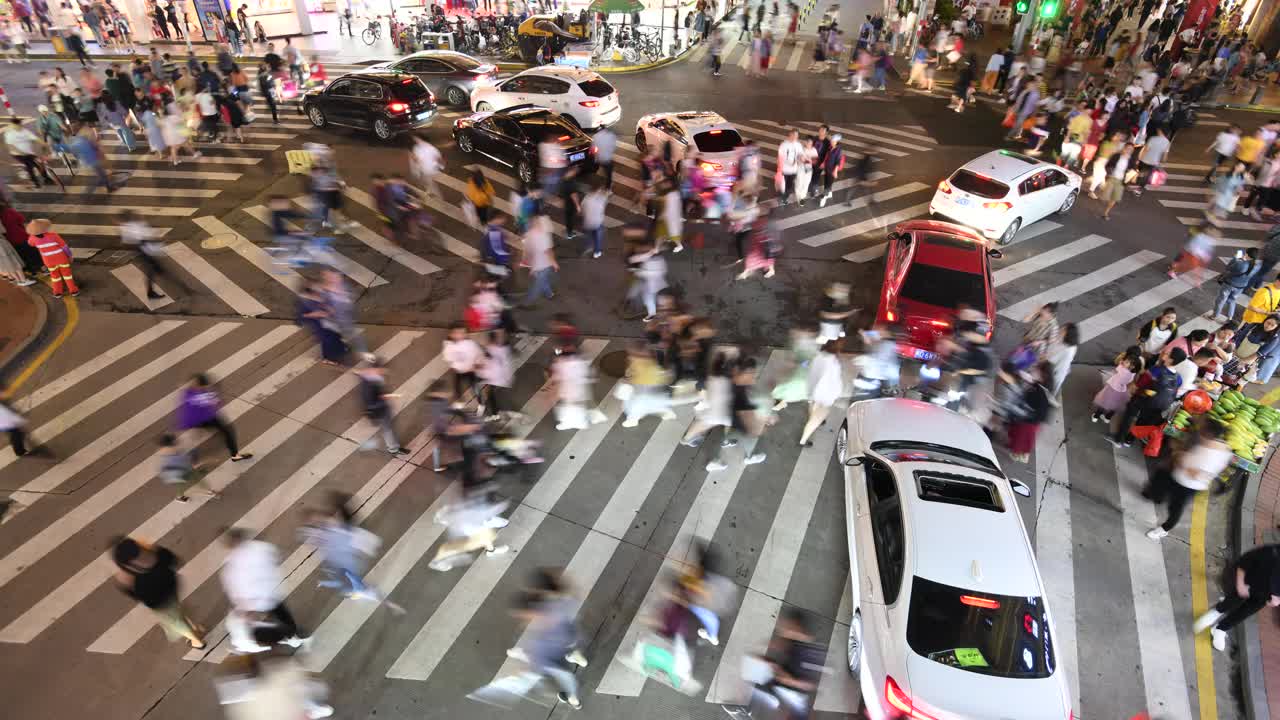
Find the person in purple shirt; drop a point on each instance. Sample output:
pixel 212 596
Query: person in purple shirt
pixel 199 409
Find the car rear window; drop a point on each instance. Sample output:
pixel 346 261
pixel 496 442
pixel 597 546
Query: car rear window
pixel 408 90
pixel 462 62
pixel 596 88
pixel 542 127
pixel 971 182
pixel 723 140
pixel 943 287
pixel 980 632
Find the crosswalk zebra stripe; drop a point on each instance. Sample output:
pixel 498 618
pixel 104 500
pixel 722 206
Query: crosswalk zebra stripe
pixel 1054 546
pixel 918 136
pixel 129 630
pixel 69 524
pixel 434 640
pixel 72 229
pixel 305 560
pixel 258 257
pixel 1229 224
pixel 700 523
pixel 858 202
pixel 33 490
pixel 136 283
pixel 95 365
pixel 202 160
pixel 399 254
pixel 1181 189
pixel 838 688
pixel 358 273
pixel 879 149
pixel 1185 204
pixel 136 191
pixel 234 296
pixel 598 547
pixel 1185 166
pixel 1137 305
pixel 263 147
pixel 763 597
pixel 209 175
pixel 556 202
pixel 866 226
pixel 744 60
pixel 49 209
pixel 1159 640
pixel 872 137
pixel 1048 258
pixel 797 55
pixel 1089 281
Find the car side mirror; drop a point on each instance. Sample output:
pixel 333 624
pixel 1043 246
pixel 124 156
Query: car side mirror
pixel 1020 488
pixel 994 254
pixel 853 462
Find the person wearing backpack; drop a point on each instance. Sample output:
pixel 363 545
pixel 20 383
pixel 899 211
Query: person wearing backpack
pixel 1240 272
pixel 1157 389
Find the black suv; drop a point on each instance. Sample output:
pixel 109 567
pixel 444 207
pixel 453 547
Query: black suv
pixel 511 137
pixel 388 103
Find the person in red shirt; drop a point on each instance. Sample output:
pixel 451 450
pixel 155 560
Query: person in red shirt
pixel 14 225
pixel 56 255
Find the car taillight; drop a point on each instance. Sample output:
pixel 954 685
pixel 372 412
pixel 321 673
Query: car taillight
pixel 973 600
pixel 901 702
pixel 945 187
pixel 397 107
pixel 945 324
pixel 890 316
pixel 589 103
pixel 594 149
pixel 710 166
pixel 998 206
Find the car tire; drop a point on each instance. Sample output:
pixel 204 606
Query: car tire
pixel 483 107
pixel 640 143
pixel 1069 203
pixel 842 443
pixel 465 144
pixel 456 96
pixel 382 129
pixel 1010 232
pixel 524 170
pixel 316 116
pixel 855 643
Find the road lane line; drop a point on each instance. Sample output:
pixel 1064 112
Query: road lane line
pixel 866 226
pixel 916 136
pixel 40 617
pixel 1048 258
pixel 235 297
pixel 134 191
pixel 838 688
pixel 71 229
pixel 1055 551
pixel 202 160
pixel 135 282
pixel 1138 304
pixel 797 55
pixel 358 273
pixel 862 201
pixel 115 142
pixel 1083 284
pixel 256 256
pixel 873 137
pixel 49 209
pixel 1230 224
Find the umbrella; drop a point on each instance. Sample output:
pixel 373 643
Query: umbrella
pixel 616 6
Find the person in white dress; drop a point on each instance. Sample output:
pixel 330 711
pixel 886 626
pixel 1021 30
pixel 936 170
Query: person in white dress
pixel 825 385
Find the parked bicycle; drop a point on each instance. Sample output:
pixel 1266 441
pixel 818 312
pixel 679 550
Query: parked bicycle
pixel 373 33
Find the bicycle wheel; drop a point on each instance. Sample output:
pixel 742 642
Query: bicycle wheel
pixel 54 176
pixel 369 36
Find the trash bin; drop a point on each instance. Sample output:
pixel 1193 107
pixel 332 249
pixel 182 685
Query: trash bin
pixel 59 45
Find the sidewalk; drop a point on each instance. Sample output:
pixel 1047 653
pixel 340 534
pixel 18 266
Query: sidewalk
pixel 23 316
pixel 1260 649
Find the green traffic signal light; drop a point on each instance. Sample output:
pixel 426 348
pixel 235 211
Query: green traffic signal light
pixel 1020 6
pixel 1049 8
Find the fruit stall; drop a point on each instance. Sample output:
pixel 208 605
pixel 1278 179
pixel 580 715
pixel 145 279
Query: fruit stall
pixel 1250 424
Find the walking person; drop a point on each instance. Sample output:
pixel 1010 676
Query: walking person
pixel 605 143
pixel 652 274
pixel 267 88
pixel 1116 391
pixel 715 49
pixel 790 156
pixel 200 407
pixel 1032 409
pixel 14 424
pixel 372 374
pixel 314 313
pixel 345 549
pixel 252 581
pixel 1233 281
pixel 594 204
pixel 149 574
pixel 463 356
pixel 1255 585
pixel 832 165
pixel 764 246
pixel 825 387
pixel 1192 472
pixel 26 148
pixel 135 231
pixel 539 254
pixel 56 255
pixel 1223 149
pixel 1113 191
pixel 424 163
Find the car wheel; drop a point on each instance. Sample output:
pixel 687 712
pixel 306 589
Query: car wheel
pixel 1069 203
pixel 640 144
pixel 842 443
pixel 855 642
pixel 483 107
pixel 316 116
pixel 1010 231
pixel 382 129
pixel 456 96
pixel 464 143
pixel 525 171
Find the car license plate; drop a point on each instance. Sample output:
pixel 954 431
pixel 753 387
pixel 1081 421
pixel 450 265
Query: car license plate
pixel 924 355
pixel 424 115
pixel 577 156
pixel 962 201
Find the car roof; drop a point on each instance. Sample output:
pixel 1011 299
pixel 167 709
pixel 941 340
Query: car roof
pixel 564 72
pixel 1006 166
pixel 967 547
pixel 520 112
pixel 386 77
pixel 439 55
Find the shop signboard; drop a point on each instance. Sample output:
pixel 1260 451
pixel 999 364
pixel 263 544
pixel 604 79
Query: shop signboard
pixel 208 12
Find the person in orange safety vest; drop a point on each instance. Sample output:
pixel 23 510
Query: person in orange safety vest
pixel 56 255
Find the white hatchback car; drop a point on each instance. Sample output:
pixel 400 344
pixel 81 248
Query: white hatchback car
pixel 1003 191
pixel 950 619
pixel 580 95
pixel 716 140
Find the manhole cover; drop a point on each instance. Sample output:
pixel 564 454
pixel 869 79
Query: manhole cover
pixel 614 364
pixel 109 258
pixel 218 241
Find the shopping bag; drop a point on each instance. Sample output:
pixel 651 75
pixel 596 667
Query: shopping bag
pixel 1009 118
pixel 1157 178
pixel 470 215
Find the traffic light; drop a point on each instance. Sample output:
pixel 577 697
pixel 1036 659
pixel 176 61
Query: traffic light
pixel 1048 9
pixel 1021 6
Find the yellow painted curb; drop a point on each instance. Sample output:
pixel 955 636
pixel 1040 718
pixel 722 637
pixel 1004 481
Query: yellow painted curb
pixel 73 318
pixel 1205 688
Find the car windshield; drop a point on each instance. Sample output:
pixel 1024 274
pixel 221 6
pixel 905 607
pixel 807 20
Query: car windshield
pixel 462 62
pixel 544 127
pixel 980 632
pixel 596 88
pixel 714 141
pixel 904 451
pixel 408 90
pixel 976 184
pixel 943 287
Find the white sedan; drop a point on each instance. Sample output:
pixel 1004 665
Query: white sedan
pixel 583 96
pixel 1002 192
pixel 950 619
pixel 715 139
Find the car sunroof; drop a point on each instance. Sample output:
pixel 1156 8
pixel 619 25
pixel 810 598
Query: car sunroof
pixel 958 490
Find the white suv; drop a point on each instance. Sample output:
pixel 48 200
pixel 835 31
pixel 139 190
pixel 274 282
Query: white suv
pixel 950 619
pixel 1003 191
pixel 580 95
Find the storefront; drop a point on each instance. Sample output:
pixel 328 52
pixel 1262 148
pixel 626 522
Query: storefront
pixel 281 17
